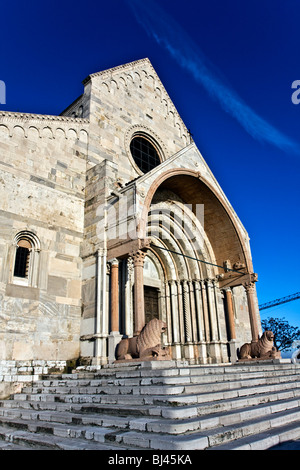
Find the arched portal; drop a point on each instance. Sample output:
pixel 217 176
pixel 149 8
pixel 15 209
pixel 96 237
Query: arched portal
pixel 192 302
pixel 190 253
pixel 196 236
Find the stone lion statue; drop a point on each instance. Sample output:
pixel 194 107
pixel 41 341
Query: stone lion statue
pixel 147 345
pixel 263 349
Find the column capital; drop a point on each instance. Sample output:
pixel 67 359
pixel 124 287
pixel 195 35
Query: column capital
pixel 227 289
pixel 250 283
pixel 114 262
pixel 138 257
pixel 249 286
pixel 209 282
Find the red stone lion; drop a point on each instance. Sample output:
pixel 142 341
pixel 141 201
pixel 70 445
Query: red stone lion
pixel 146 345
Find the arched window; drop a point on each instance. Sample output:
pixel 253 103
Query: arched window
pixel 26 258
pixel 144 153
pixel 22 259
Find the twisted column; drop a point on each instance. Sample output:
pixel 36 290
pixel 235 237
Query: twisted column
pixel 186 311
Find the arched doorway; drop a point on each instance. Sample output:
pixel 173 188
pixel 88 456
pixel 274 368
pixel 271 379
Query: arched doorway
pixel 191 239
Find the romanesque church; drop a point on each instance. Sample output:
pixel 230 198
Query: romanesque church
pixel 110 217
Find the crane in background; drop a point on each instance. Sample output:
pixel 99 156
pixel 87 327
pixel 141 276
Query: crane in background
pixel 282 300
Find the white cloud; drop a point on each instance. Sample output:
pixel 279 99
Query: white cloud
pixel 168 33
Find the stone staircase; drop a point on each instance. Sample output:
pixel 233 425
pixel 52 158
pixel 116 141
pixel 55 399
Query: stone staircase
pixel 156 405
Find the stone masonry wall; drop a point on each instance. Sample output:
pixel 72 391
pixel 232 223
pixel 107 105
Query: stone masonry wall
pixel 42 181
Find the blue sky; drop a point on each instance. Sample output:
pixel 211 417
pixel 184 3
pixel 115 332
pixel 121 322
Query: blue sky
pixel 228 65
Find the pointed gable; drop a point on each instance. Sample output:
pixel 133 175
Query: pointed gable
pixel 132 97
pixel 141 72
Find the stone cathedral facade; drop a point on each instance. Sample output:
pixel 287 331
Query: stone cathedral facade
pixel 109 217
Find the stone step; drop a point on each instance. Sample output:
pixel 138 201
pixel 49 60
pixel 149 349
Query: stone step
pixel 179 383
pixel 209 438
pixel 194 407
pixel 202 371
pixel 48 434
pixel 264 440
pixel 149 370
pixel 165 409
pixel 171 394
pixel 36 420
pixel 67 384
pixel 14 439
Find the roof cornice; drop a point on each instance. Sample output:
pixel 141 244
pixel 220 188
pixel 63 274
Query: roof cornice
pixel 119 68
pixel 41 117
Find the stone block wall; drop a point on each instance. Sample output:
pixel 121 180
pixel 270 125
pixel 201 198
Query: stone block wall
pixel 42 183
pixel 15 374
pixel 127 100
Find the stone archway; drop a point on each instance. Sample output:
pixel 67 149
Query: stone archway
pixel 199 312
pixel 199 260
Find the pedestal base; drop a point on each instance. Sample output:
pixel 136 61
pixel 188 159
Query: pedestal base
pixel 113 340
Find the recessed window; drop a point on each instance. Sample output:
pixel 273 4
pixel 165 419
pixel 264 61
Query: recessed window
pixel 26 259
pixel 22 262
pixel 144 154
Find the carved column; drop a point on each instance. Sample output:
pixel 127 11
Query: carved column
pixel 139 305
pixel 199 309
pixel 168 312
pixel 200 321
pixel 205 311
pixel 186 311
pixel 216 292
pixel 250 290
pixel 215 346
pixel 212 310
pixel 180 311
pixel 176 349
pixel 174 309
pixel 193 311
pixel 114 274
